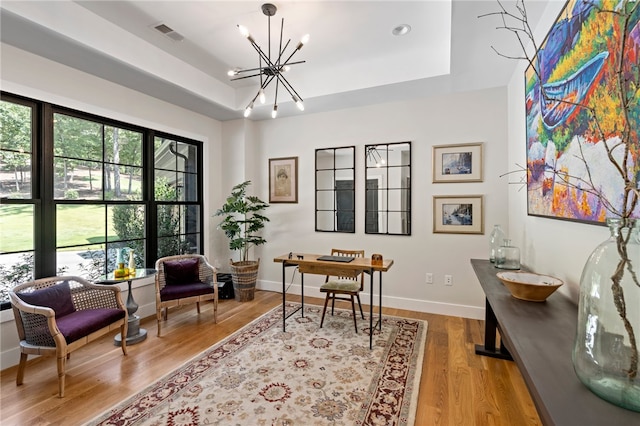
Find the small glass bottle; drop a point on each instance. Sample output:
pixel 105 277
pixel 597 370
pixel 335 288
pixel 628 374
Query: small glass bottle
pixel 121 271
pixel 508 256
pixel 496 238
pixel 132 263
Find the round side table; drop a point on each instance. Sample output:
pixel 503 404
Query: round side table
pixel 135 334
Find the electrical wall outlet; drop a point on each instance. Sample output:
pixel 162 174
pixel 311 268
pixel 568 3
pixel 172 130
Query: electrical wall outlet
pixel 429 278
pixel 448 280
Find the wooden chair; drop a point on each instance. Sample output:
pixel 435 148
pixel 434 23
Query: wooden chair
pixel 338 287
pixel 184 279
pixel 57 315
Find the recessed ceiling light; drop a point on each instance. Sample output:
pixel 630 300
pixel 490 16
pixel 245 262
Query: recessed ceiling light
pixel 401 30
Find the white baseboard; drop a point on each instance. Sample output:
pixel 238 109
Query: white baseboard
pixel 472 312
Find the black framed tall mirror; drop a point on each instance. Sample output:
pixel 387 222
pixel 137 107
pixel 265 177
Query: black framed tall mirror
pixel 388 188
pixel 335 189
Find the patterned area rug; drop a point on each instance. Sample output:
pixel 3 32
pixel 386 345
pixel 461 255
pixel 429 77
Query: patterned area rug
pixel 305 376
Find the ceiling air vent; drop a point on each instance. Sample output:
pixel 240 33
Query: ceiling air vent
pixel 168 31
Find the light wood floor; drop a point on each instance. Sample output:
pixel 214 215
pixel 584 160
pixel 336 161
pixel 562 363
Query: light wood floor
pixel 457 387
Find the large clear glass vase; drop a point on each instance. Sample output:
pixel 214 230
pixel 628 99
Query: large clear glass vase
pixel 605 353
pixel 496 239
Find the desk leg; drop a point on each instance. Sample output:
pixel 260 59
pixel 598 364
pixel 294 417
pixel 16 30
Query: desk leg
pixel 380 296
pixel 284 296
pixel 371 310
pixel 284 299
pixel 490 328
pixel 302 292
pixel 135 334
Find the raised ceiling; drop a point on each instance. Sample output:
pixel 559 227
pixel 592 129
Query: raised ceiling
pixel 352 58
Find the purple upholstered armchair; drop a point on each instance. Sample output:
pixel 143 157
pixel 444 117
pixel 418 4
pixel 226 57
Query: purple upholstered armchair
pixel 58 315
pixel 184 279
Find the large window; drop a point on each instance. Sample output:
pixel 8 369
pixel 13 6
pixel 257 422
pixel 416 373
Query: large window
pixel 17 236
pixel 177 188
pixel 80 191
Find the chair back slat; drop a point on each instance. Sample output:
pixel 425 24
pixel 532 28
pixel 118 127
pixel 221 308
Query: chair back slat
pixel 352 253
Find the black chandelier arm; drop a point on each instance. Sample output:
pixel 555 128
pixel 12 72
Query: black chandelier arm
pixel 261 69
pixel 249 69
pixel 267 82
pixel 278 63
pixel 246 76
pixel 260 65
pixel 288 86
pixel 290 56
pixel 262 86
pixel 292 63
pixel 264 57
pixel 280 49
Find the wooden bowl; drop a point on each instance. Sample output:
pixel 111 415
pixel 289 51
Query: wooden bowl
pixel 529 286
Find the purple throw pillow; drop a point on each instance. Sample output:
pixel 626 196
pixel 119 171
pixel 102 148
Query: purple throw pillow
pixel 182 271
pixel 56 297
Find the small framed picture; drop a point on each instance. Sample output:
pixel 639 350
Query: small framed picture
pixel 458 214
pixel 457 163
pixel 283 180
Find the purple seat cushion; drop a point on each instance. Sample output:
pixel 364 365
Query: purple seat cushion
pixel 56 297
pixel 172 292
pixel 181 271
pixel 82 323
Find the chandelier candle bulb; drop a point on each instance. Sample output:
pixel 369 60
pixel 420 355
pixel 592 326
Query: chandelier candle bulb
pixel 247 112
pixel 298 102
pixel 245 33
pixel 304 40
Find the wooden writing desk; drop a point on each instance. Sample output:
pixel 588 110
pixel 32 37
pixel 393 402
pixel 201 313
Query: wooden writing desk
pixel 309 264
pixel 539 336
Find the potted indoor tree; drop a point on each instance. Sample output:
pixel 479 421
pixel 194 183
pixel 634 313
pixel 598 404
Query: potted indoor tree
pixel 243 219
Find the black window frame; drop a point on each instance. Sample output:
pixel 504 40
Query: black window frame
pixel 45 248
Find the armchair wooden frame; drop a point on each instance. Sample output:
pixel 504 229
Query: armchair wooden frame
pixel 37 328
pixel 207 274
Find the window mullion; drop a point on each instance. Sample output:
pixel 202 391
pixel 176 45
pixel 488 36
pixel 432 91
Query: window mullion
pixel 151 210
pixel 45 226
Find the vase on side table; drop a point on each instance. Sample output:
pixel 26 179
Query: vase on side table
pixel 605 353
pixel 496 238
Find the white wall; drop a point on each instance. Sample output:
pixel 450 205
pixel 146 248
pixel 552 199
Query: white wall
pixel 461 118
pixel 239 150
pixel 548 246
pixel 28 75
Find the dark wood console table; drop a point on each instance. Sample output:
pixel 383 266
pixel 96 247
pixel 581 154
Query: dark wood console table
pixel 539 337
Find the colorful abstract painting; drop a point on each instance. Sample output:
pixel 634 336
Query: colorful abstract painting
pixel 573 172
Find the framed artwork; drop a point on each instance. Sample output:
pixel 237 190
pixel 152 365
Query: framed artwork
pixel 570 175
pixel 457 163
pixel 283 180
pixel 458 214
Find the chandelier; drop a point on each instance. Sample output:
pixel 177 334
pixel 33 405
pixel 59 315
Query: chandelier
pixel 270 69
